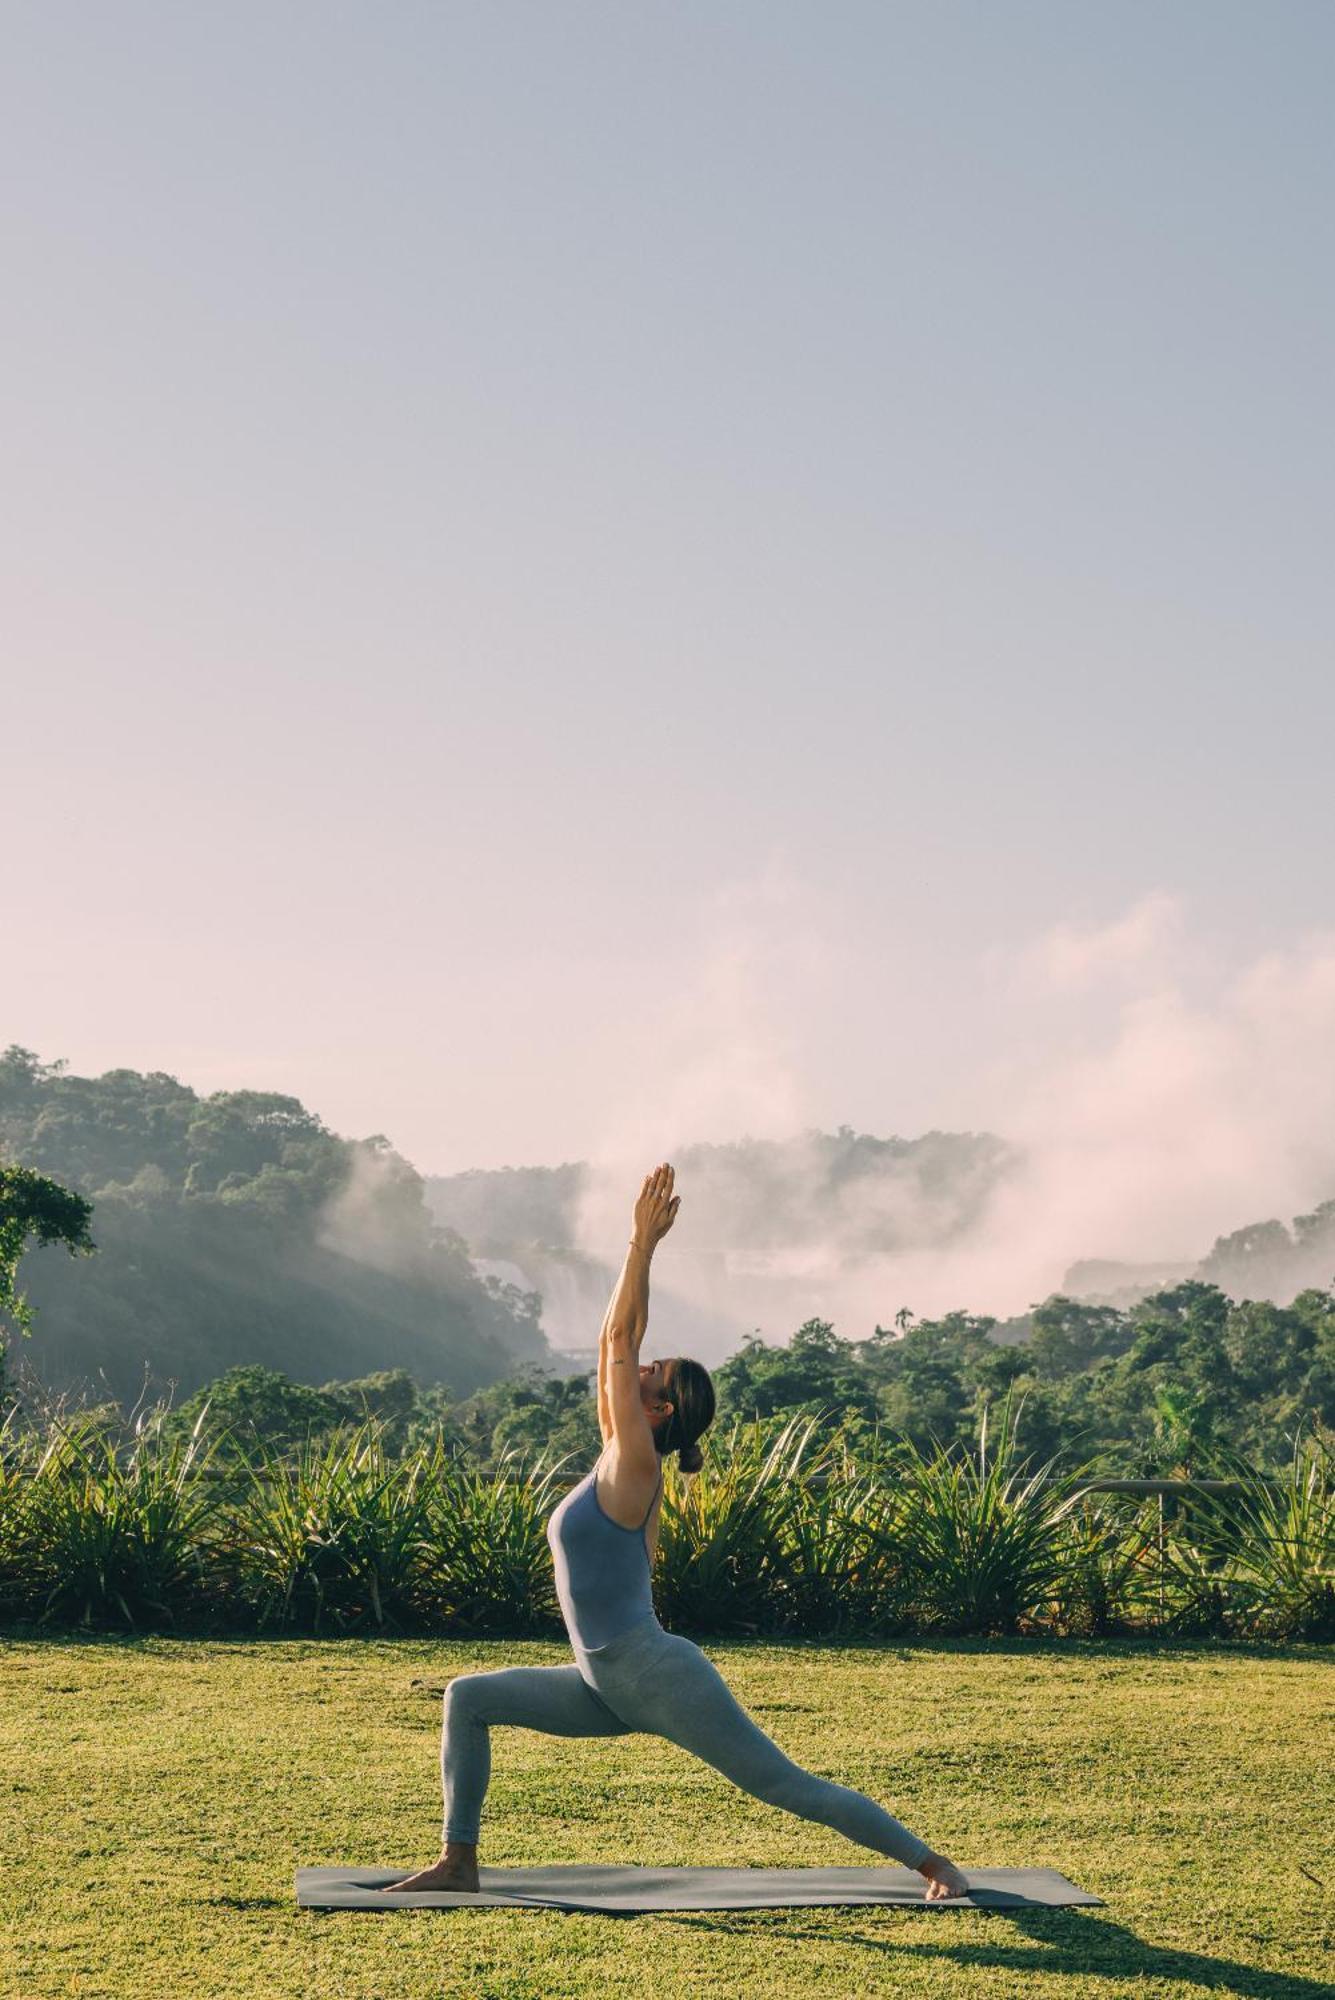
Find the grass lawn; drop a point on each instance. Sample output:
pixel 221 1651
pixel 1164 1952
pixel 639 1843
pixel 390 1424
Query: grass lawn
pixel 159 1794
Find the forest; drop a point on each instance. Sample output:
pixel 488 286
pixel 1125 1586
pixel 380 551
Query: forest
pixel 1153 1393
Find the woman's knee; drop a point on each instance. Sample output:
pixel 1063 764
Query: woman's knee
pixel 463 1693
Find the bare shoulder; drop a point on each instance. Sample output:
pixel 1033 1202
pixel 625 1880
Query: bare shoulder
pixel 625 1482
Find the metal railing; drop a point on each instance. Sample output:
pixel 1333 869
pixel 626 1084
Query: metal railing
pixel 1162 1486
pixel 1159 1486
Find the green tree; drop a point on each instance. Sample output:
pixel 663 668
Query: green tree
pixel 251 1404
pixel 389 1397
pixel 817 1371
pixel 544 1416
pixel 1068 1335
pixel 32 1206
pixel 551 1418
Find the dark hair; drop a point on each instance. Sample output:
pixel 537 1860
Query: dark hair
pixel 691 1393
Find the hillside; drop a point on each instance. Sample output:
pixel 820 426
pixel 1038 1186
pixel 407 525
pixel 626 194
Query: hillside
pixel 236 1228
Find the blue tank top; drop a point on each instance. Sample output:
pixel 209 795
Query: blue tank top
pixel 602 1569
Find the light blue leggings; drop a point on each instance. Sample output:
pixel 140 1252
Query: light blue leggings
pixel 661 1684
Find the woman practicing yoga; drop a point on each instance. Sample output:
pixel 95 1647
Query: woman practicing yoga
pixel 630 1674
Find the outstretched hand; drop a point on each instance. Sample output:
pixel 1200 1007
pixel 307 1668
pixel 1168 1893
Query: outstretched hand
pixel 656 1208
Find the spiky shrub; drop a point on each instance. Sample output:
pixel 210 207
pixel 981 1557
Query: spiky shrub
pixel 486 1563
pixel 17 1553
pixel 1269 1545
pixel 726 1542
pixel 1187 1593
pixel 985 1536
pixel 331 1535
pixel 114 1529
pixel 887 1518
pixel 847 1544
pixel 1104 1581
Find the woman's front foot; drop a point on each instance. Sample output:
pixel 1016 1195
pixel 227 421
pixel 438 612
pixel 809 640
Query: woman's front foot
pixel 943 1879
pixel 456 1870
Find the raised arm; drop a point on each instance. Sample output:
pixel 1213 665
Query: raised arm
pixel 620 1411
pixel 625 1331
pixel 628 1311
pixel 604 1413
pixel 604 1407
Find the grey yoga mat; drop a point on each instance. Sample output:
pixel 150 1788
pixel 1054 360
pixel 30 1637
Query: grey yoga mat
pixel 620 1890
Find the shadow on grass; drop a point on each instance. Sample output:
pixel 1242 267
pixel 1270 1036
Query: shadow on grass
pixel 1063 1941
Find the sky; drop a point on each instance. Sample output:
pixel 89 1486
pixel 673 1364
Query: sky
pixel 580 579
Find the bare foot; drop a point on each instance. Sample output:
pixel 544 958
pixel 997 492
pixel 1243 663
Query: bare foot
pixel 943 1879
pixel 461 1875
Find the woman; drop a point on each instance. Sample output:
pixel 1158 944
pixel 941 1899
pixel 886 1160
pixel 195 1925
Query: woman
pixel 630 1674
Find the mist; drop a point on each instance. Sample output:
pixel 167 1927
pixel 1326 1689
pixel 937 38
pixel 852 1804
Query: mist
pixel 1146 1100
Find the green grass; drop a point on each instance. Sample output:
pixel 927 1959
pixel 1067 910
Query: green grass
pixel 159 1794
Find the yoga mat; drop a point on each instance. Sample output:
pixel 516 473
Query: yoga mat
pixel 622 1890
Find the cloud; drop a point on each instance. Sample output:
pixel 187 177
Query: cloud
pixel 1072 958
pixel 1185 1118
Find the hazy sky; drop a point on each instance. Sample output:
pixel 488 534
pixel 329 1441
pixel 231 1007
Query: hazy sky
pixel 585 577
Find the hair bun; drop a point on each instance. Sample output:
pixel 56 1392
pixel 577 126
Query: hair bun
pixel 690 1458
